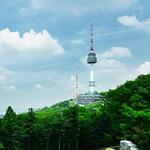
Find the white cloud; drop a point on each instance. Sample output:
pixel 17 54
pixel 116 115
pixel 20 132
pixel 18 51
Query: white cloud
pixel 109 64
pixel 116 52
pixel 77 42
pixel 9 88
pixel 113 73
pixel 78 7
pixel 39 86
pixel 30 43
pixel 4 73
pixel 128 20
pixel 72 78
pixel 144 68
pixel 132 21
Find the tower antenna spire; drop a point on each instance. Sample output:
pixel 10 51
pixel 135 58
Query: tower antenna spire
pixel 77 86
pixel 92 49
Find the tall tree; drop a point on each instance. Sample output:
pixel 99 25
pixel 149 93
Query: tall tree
pixel 10 130
pixel 72 127
pixel 29 125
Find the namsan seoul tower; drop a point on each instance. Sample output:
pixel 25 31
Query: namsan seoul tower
pixel 91 60
pixel 91 95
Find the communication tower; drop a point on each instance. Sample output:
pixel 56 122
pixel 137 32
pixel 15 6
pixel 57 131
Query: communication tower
pixel 91 60
pixel 92 95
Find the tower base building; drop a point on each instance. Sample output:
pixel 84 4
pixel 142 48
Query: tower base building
pixel 84 99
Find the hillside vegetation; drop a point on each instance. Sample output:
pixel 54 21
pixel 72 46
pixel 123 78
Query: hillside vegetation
pixel 124 113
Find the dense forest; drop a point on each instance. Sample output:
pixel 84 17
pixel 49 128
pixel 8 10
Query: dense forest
pixel 122 113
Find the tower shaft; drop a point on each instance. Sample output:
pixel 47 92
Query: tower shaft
pixel 92 81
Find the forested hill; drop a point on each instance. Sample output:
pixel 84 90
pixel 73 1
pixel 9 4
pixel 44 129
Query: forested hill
pixel 123 114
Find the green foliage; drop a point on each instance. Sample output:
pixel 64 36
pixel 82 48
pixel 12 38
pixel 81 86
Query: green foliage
pixel 9 134
pixel 123 113
pixel 1 146
pixel 129 106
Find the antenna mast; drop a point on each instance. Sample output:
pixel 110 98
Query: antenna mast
pixel 92 49
pixel 77 85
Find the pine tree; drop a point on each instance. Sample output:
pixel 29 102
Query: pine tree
pixel 10 130
pixel 29 125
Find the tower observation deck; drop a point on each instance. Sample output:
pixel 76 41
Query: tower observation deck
pixel 92 95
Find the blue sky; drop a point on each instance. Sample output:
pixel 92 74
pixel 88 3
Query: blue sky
pixel 44 43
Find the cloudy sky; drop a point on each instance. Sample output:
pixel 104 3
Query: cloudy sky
pixel 44 43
